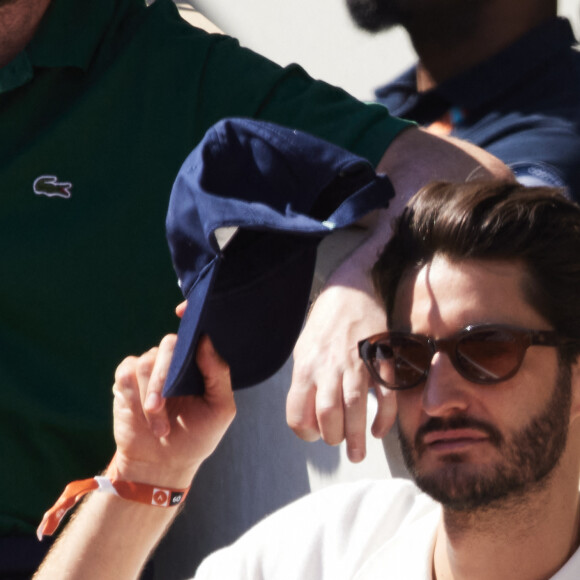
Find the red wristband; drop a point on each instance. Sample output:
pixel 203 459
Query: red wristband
pixel 129 490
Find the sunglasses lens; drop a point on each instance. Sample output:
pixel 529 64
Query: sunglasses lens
pixel 484 355
pixel 489 356
pixel 401 362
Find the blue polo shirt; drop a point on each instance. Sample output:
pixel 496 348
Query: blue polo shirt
pixel 522 105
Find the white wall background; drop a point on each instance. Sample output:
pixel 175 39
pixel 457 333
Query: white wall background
pixel 319 35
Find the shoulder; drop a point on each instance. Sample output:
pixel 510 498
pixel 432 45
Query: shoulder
pixel 327 534
pixel 397 496
pixel 362 503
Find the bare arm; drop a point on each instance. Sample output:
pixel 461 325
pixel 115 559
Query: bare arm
pixel 329 387
pixel 110 537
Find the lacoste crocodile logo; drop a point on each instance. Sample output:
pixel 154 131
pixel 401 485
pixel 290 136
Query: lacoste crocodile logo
pixel 50 186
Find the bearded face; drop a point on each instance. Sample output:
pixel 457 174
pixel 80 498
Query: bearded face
pixel 528 456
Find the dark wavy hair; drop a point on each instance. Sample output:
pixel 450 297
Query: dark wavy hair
pixel 536 226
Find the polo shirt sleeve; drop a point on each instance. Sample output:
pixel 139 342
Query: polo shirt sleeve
pixel 204 78
pixel 239 82
pixel 542 152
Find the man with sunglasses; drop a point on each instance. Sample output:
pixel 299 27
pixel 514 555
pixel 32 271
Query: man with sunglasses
pixel 479 283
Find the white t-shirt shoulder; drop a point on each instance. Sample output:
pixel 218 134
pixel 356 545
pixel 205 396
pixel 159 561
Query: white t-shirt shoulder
pixel 571 569
pixel 348 531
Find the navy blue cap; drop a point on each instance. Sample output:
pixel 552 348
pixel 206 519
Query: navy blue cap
pixel 247 211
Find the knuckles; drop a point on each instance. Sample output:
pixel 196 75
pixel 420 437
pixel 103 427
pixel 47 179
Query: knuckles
pixel 145 363
pixel 168 342
pixel 353 399
pixel 125 372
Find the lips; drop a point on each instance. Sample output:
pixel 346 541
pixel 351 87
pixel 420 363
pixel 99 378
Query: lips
pixel 454 437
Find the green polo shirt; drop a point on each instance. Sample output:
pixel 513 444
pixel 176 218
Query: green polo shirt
pixel 96 117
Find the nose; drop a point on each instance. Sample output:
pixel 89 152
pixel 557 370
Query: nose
pixel 445 391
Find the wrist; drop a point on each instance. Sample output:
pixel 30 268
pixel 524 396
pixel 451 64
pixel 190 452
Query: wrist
pixel 137 493
pixel 150 495
pixel 116 483
pixel 127 469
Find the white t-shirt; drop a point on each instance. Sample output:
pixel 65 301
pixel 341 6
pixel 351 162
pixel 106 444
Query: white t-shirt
pixel 369 530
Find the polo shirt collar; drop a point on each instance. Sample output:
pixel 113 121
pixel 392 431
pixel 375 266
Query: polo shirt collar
pixel 489 79
pixel 70 32
pixel 68 36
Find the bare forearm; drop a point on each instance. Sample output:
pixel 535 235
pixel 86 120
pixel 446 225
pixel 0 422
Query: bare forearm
pixel 416 157
pixel 109 537
pixel 435 159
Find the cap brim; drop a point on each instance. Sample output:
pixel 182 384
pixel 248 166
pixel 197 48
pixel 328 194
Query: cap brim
pixel 183 377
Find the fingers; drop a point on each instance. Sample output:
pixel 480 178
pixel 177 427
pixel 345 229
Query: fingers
pixel 130 422
pixel 334 407
pixel 126 387
pixel 151 370
pixel 386 411
pixel 165 441
pixel 355 398
pixel 301 407
pixel 140 382
pixel 329 390
pixel 180 309
pixel 330 410
pixel 342 412
pixel 216 374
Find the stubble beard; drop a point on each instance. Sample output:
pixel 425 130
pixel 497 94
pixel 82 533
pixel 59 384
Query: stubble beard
pixel 528 458
pixel 450 17
pixel 375 15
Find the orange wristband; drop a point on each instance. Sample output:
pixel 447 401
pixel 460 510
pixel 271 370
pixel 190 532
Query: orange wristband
pixel 129 490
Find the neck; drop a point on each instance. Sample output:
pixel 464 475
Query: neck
pixel 528 537
pixel 19 20
pixel 467 40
